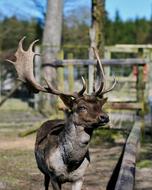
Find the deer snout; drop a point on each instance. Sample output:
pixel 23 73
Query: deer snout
pixel 104 118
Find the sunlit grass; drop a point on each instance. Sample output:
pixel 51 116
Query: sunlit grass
pixel 14 104
pixel 144 164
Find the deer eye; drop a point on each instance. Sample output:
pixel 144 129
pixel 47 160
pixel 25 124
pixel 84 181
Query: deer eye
pixel 82 108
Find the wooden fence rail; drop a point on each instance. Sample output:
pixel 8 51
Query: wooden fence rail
pixel 138 104
pixel 108 62
pixel 123 177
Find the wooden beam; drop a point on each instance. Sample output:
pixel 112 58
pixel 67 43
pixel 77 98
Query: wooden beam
pixel 112 62
pixel 137 46
pixel 125 105
pixel 123 177
pixel 71 74
pixel 126 176
pixel 121 49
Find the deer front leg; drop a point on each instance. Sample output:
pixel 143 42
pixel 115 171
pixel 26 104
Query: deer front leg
pixel 77 184
pixel 46 181
pixel 56 184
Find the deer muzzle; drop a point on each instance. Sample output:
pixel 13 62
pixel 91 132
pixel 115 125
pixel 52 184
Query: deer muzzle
pixel 103 118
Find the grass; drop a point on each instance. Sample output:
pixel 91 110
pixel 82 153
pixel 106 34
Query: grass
pixel 16 166
pixel 106 135
pixel 145 156
pixel 144 164
pixel 14 104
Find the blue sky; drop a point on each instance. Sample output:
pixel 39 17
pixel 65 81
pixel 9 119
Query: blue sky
pixel 128 9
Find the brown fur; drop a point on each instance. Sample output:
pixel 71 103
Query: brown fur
pixel 49 128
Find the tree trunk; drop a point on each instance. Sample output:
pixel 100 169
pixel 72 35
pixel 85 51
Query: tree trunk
pixel 96 34
pixel 51 41
pixel 98 14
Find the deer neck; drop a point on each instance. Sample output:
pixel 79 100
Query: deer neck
pixel 74 142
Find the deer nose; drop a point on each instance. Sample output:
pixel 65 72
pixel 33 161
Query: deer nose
pixel 104 118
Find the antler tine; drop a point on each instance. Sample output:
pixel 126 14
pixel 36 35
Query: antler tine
pixel 20 44
pixel 94 89
pixel 99 61
pixel 80 93
pixel 57 92
pixel 31 45
pixel 102 75
pixel 51 89
pixel 101 87
pixel 110 89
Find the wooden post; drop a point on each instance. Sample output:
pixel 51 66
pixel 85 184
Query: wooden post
pixel 140 94
pixel 60 72
pixel 71 74
pixel 126 176
pixel 146 56
pixel 107 55
pixel 91 57
pixel 60 82
pixel 140 90
pixel 150 75
pixel 37 70
pixel 0 82
pixel 123 177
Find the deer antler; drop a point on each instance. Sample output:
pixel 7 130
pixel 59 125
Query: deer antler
pixel 59 93
pixel 101 90
pixel 24 68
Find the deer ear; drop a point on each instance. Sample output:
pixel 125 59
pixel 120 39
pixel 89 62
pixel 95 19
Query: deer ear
pixel 67 100
pixel 103 101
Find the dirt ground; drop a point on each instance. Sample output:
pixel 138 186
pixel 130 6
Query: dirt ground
pixel 18 169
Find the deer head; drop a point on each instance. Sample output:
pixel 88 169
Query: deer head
pixel 86 109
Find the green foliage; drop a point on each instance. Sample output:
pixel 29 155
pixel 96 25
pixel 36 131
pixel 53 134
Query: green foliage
pixel 76 32
pixel 127 32
pixel 75 36
pixel 117 31
pixel 12 30
pixel 105 135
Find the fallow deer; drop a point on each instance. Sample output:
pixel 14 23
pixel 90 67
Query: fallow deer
pixel 61 147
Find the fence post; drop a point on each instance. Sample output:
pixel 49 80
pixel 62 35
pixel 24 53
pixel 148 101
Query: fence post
pixel 150 75
pixel 71 74
pixel 37 70
pixel 107 55
pixel 140 90
pixel 92 34
pixel 60 81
